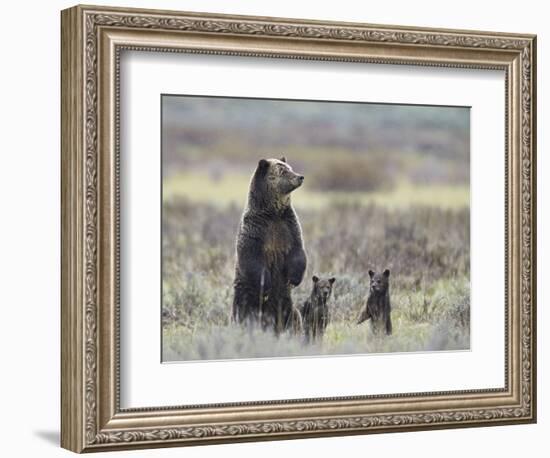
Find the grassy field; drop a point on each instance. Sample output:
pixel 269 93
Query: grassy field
pixel 419 232
pixel 386 186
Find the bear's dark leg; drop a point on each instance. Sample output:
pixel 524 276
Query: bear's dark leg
pixel 315 330
pixel 307 333
pixel 252 282
pixel 246 305
pixel 378 320
pixel 287 309
pixel 388 324
pixel 322 325
pixel 252 271
pixel 279 318
pixel 307 323
pixel 236 310
pixel 278 310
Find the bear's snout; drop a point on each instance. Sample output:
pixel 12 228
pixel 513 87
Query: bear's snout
pixel 297 181
pixel 294 181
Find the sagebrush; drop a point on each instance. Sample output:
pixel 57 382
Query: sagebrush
pixel 426 248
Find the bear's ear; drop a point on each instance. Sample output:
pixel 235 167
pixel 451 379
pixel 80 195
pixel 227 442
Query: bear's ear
pixel 371 273
pixel 315 278
pixel 387 273
pixel 263 165
pixel 331 280
pixel 283 159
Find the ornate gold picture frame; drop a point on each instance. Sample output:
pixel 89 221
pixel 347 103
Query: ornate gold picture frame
pixel 93 39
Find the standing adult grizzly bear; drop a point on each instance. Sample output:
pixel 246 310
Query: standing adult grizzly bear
pixel 270 252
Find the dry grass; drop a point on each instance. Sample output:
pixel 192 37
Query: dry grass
pixel 426 248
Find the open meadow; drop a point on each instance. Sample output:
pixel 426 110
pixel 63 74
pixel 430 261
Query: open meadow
pixel 360 208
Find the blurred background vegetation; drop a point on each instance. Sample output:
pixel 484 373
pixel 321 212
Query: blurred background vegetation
pixel 386 186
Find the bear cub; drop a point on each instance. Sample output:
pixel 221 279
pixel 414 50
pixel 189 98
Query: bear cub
pixel 315 311
pixel 378 308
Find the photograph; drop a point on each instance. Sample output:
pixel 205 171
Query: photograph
pixel 275 227
pixel 294 228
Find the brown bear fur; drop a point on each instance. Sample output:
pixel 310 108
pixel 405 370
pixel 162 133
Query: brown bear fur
pixel 270 253
pixel 378 307
pixel 315 311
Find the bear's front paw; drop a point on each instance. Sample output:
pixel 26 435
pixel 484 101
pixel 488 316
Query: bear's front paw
pixel 295 279
pixel 296 275
pixel 296 268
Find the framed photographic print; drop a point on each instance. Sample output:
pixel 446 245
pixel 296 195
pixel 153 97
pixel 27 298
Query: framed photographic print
pixel 278 228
